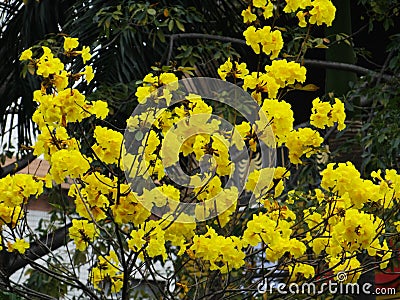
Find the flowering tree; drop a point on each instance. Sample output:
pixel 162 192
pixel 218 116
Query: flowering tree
pixel 185 184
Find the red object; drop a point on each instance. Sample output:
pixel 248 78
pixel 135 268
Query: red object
pixel 388 279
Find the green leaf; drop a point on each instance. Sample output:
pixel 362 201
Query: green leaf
pixel 151 12
pixel 161 36
pixel 171 25
pixel 180 25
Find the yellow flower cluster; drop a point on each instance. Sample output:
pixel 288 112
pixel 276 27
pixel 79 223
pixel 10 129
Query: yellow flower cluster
pixel 161 195
pixel 223 253
pixel 286 72
pixel 53 139
pixel 302 270
pixel 67 106
pixel 91 198
pixel 48 64
pixel 261 83
pixel 266 7
pixel 66 163
pixel 270 41
pixel 281 116
pixel 15 191
pixel 151 83
pixel 149 238
pixel 94 196
pixel 216 201
pixel 325 114
pixel 303 141
pixel 278 75
pixel 109 145
pixel 260 188
pixel 339 227
pixel 227 69
pixel 389 186
pixel 72 43
pixel 357 230
pixel 128 209
pixel 316 11
pixel 20 246
pixel 58 106
pixel 83 233
pixel 322 12
pixel 180 233
pixel 345 180
pixel 276 233
pixel 294 5
pixel 108 269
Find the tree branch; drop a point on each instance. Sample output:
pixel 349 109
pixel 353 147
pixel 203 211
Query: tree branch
pixel 17 166
pixel 308 62
pixel 12 262
pixel 346 67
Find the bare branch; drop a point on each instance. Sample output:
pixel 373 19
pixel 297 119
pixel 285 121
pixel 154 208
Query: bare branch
pixel 12 262
pixel 17 166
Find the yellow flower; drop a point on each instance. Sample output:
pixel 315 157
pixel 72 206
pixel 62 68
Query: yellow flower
pixel 86 54
pixel 248 16
pixel 152 234
pixel 252 36
pixel 83 233
pixel 338 114
pixel 47 64
pixel 323 11
pixel 143 92
pixel 225 69
pixel 25 55
pixel 51 140
pixel 285 72
pixel 99 108
pixel 70 43
pixel 293 5
pixel 107 269
pixel 272 41
pixel 16 189
pixel 348 264
pixel 168 78
pixel 61 80
pixel 304 270
pixel 68 163
pixel 20 246
pixel 281 114
pixel 108 147
pixel 222 252
pixel 89 75
pixel 302 18
pixel 279 176
pixel 397 224
pixel 323 114
pixel 259 3
pixel 302 141
pixel 268 10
